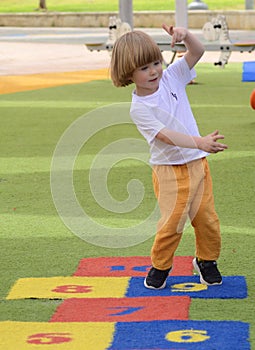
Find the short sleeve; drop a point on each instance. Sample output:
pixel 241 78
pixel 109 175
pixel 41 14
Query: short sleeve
pixel 144 118
pixel 180 71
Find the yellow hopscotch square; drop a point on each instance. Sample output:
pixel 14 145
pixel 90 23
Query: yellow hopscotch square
pixel 55 336
pixel 69 287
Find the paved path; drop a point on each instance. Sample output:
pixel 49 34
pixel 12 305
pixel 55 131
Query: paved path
pixel 40 50
pixel 29 51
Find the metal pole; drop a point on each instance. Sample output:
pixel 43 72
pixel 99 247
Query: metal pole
pixel 249 4
pixel 181 13
pixel 126 11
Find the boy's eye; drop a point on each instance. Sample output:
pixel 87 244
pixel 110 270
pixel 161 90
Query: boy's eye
pixel 156 63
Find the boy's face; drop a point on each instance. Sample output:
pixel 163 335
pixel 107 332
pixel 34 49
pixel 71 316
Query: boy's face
pixel 146 78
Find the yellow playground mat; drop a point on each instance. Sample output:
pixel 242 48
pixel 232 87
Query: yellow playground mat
pixel 18 83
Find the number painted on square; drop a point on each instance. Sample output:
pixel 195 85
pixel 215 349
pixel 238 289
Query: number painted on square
pixel 49 338
pixel 73 288
pixel 188 336
pixel 188 287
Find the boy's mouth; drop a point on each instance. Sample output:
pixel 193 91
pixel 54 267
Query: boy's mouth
pixel 152 80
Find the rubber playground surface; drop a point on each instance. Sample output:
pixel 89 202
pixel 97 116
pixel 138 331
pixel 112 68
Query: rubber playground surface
pixel 36 66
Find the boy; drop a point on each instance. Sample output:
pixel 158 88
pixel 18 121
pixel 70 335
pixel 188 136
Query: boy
pixel 181 176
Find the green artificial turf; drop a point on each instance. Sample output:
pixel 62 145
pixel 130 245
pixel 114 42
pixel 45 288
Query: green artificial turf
pixel 103 5
pixel 34 240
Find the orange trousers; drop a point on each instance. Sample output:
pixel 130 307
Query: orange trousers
pixel 185 191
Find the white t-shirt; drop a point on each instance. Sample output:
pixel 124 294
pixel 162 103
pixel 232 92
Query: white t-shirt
pixel 167 108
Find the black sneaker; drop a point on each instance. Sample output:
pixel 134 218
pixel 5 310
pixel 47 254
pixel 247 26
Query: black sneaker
pixel 156 279
pixel 208 271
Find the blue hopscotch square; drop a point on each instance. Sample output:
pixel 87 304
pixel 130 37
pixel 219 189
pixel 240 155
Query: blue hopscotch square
pixel 185 335
pixel 233 287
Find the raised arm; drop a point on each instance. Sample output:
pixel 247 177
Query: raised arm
pixel 194 47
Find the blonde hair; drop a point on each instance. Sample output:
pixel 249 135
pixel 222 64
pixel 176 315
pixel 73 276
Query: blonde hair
pixel 132 50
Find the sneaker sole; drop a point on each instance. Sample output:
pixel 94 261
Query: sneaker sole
pixel 151 287
pixel 202 281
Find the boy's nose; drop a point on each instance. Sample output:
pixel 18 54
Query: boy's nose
pixel 152 70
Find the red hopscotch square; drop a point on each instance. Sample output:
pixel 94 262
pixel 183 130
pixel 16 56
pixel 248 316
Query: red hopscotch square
pixel 133 266
pixel 123 309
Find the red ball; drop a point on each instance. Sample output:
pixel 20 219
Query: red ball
pixel 252 99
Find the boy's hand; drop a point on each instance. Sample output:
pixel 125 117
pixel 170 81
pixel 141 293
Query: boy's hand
pixel 178 34
pixel 194 48
pixel 209 143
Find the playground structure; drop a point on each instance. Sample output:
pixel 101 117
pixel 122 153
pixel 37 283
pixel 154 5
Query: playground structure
pixel 215 33
pixel 116 29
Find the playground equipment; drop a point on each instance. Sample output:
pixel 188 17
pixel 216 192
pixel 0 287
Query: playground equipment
pixel 215 33
pixel 116 29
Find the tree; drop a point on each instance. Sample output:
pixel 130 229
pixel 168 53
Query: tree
pixel 42 5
